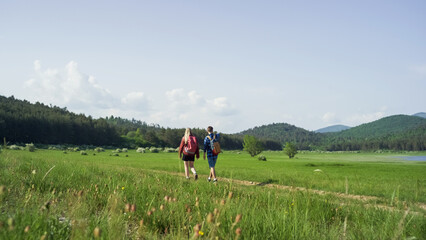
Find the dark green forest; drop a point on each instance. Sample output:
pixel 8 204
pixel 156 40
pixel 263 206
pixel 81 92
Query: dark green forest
pixel 24 122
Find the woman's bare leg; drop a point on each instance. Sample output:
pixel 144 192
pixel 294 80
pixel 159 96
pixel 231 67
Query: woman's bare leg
pixel 186 169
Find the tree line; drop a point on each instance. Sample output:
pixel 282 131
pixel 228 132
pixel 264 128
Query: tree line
pixel 24 122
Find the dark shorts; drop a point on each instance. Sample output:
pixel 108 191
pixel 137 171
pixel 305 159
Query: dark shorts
pixel 188 157
pixel 212 161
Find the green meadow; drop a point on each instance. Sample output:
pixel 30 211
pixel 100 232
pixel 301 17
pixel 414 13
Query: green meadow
pixel 49 194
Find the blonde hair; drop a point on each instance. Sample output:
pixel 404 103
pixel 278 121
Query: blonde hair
pixel 187 134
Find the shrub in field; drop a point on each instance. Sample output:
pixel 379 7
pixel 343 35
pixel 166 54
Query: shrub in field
pixel 169 150
pixel 99 149
pixel 15 147
pixel 83 153
pixel 252 145
pixel 118 150
pixel 140 150
pixel 30 147
pixel 124 150
pixel 261 158
pixel 290 150
pixel 155 150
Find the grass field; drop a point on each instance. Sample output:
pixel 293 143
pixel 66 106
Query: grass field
pixel 52 195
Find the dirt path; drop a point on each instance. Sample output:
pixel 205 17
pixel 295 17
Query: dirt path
pixel 362 198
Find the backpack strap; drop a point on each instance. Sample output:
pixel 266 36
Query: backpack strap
pixel 214 137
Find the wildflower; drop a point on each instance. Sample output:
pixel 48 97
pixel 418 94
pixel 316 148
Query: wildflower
pixel 222 202
pixel 97 232
pixel 127 207
pixel 141 223
pixel 216 212
pixel 161 207
pixel 133 208
pixel 238 218
pixel 200 233
pixel 230 194
pixel 166 198
pixel 149 213
pixel 122 188
pixel 238 231
pixel 197 230
pixel 210 218
pixel 11 223
pixel 27 229
pixel 33 172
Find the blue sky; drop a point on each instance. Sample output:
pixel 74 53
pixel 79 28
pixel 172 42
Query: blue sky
pixel 230 64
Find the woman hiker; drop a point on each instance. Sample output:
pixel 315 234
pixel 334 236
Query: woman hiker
pixel 188 149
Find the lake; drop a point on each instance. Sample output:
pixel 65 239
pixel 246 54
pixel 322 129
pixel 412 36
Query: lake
pixel 413 158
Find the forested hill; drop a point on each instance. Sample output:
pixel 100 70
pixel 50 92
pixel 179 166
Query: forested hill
pixel 24 122
pixel 398 132
pixel 393 125
pixel 420 114
pixel 283 132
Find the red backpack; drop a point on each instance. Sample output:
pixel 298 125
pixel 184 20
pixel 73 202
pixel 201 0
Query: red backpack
pixel 191 147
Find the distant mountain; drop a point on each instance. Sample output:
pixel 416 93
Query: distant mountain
pixel 333 128
pixel 283 132
pixel 420 114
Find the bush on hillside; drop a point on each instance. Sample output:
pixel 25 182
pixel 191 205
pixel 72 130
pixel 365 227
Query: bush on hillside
pixel 169 150
pixel 15 147
pixel 99 149
pixel 140 150
pixel 30 147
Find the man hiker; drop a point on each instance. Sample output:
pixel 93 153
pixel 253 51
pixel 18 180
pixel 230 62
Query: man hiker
pixel 212 153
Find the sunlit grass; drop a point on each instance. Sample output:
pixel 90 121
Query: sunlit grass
pixel 62 196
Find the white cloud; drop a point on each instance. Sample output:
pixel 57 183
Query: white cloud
pixel 136 100
pixel 79 92
pixel 82 93
pixel 222 107
pixel 189 108
pixel 69 87
pixel 329 117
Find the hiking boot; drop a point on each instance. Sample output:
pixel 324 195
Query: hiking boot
pixel 215 180
pixel 196 176
pixel 209 179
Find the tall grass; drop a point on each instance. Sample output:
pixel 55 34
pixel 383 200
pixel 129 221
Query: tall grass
pixel 51 195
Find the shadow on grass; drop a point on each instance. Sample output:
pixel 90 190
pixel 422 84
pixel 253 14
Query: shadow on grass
pixel 269 181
